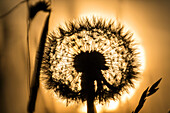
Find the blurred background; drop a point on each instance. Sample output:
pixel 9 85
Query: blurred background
pixel 148 19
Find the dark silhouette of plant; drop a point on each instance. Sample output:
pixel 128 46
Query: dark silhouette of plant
pixel 32 11
pixel 90 60
pixel 148 92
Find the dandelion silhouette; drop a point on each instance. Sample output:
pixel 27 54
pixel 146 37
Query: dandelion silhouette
pixel 90 60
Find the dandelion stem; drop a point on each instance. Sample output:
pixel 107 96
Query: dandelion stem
pixel 90 105
pixel 89 90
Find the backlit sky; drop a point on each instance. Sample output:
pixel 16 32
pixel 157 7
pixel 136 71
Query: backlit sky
pixel 149 19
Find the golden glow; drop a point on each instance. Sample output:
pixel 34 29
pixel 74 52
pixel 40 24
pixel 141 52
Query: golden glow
pixel 83 108
pixel 98 108
pixel 140 48
pixel 141 58
pixel 112 105
pixel 127 96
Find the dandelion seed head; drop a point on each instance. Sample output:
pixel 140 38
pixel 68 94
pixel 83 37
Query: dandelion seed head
pixel 106 46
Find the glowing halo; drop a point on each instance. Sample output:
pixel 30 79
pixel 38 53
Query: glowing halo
pixel 87 36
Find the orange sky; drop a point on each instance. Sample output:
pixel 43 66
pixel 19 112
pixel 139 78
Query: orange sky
pixel 148 19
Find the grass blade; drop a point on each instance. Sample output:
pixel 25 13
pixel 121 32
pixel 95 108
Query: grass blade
pixel 35 81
